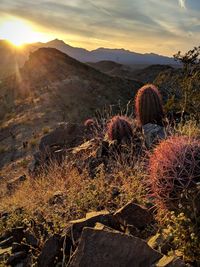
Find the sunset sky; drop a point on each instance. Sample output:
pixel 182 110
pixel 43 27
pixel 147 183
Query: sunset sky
pixel 160 26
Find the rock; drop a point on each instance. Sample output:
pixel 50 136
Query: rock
pixel 31 239
pixel 51 250
pixel 16 247
pixel 153 133
pixel 6 235
pixel 7 242
pixel 103 217
pixel 100 226
pixel 102 248
pixel 171 261
pixel 66 135
pixel 133 214
pixel 16 258
pixel 18 234
pixel 56 199
pixel 13 184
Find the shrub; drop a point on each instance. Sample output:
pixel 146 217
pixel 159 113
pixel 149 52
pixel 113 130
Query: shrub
pixel 148 105
pixel 119 129
pixel 182 235
pixel 174 174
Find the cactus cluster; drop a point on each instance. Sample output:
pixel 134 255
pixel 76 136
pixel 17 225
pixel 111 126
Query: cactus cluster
pixel 148 106
pixel 175 172
pixel 119 129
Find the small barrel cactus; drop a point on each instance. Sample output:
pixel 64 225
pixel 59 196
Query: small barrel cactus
pixel 148 106
pixel 174 172
pixel 119 129
pixel 89 123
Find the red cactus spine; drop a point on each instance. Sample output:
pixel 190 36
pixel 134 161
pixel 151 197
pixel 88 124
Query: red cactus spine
pixel 119 129
pixel 174 171
pixel 148 105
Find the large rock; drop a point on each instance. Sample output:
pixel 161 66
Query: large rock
pixel 103 217
pixel 66 135
pixel 133 214
pixel 51 250
pixel 54 146
pixel 16 258
pixel 102 248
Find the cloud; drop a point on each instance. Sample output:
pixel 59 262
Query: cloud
pixel 182 4
pixel 143 26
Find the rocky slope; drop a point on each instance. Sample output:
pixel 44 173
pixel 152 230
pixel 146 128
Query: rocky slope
pixel 53 87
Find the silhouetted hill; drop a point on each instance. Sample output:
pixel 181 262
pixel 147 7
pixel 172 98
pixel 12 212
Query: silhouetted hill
pixel 145 75
pixel 121 56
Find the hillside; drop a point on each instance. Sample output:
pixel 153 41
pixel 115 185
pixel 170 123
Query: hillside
pixel 138 72
pixel 13 57
pixel 53 87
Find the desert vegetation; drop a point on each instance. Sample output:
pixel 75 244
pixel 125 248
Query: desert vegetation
pixel 146 161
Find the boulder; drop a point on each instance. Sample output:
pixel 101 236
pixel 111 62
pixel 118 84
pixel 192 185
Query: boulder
pixel 16 258
pixel 31 239
pixel 51 250
pixel 103 217
pixel 133 214
pixel 102 248
pixel 66 135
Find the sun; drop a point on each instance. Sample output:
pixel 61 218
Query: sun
pixel 18 32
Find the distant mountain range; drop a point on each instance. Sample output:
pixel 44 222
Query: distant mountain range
pixel 121 56
pixel 12 57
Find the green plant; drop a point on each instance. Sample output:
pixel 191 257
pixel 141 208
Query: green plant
pixel 148 105
pixel 183 235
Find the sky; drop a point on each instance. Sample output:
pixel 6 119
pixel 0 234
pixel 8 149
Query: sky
pixel 158 26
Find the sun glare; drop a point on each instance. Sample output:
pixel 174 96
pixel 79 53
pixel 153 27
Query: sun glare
pixel 18 32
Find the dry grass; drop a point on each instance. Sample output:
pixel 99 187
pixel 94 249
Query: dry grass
pixel 80 193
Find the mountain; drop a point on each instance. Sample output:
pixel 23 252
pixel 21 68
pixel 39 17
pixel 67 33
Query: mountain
pixel 12 58
pixel 121 56
pixel 52 87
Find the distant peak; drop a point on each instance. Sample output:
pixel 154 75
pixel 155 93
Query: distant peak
pixel 57 41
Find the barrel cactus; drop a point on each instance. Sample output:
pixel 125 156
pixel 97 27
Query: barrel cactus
pixel 148 105
pixel 119 129
pixel 174 172
pixel 89 123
